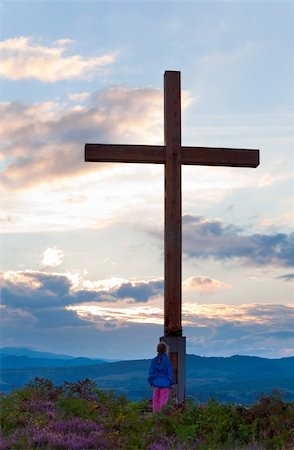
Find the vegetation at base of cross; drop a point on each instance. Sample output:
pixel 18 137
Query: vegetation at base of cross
pixel 78 416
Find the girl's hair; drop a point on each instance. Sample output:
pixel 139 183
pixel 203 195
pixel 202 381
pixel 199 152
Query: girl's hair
pixel 161 348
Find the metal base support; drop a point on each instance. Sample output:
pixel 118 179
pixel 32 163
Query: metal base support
pixel 177 354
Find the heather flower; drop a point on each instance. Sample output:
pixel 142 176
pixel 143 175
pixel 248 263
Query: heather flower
pixel 156 446
pixel 3 443
pixel 69 441
pixel 72 434
pixel 166 444
pixel 42 417
pixel 77 425
pixel 42 407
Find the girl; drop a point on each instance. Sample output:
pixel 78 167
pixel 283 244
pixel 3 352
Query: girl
pixel 161 377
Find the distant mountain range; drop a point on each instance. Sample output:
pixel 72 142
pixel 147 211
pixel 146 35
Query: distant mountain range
pixel 236 379
pixel 25 358
pixel 23 351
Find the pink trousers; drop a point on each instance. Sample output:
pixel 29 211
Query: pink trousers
pixel 160 398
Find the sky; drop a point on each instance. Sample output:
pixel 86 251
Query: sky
pixel 82 243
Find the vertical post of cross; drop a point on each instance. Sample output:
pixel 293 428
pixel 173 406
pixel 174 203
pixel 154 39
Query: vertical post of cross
pixel 173 206
pixel 173 231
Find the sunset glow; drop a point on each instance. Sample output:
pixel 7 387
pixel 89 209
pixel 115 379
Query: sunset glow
pixel 82 244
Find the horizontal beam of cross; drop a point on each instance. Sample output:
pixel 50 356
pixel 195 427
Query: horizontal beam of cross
pixel 156 154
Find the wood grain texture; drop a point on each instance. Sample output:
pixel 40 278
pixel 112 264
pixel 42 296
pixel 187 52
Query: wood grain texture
pixel 173 207
pixel 152 154
pixel 156 154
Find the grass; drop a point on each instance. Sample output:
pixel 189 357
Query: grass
pixel 78 416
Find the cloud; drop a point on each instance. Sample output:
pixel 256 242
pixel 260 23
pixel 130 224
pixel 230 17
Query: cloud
pixel 261 314
pixel 143 291
pixel 204 285
pixel 211 238
pixel 49 301
pixel 286 277
pixel 52 257
pixel 24 59
pixel 253 329
pixel 33 290
pixel 211 329
pixel 13 315
pixel 79 97
pixel 44 142
pixel 37 305
pixel 140 291
pixel 108 318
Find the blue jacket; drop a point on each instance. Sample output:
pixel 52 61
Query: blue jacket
pixel 161 372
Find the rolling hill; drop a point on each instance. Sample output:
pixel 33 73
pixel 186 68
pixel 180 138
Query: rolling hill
pixel 236 379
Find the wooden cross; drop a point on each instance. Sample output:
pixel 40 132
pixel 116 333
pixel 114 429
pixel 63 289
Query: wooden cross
pixel 172 155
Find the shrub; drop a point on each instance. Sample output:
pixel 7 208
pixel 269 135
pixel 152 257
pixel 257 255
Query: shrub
pixel 77 416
